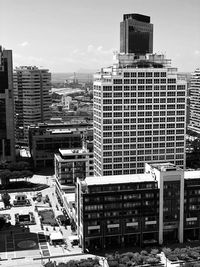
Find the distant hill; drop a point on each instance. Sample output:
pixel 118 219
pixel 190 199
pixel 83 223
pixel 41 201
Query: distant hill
pixel 82 77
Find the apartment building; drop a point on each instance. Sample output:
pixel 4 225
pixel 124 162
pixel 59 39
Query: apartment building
pixel 32 99
pixel 194 114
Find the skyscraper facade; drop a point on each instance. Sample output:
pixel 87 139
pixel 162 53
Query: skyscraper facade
pixel 32 98
pixel 136 34
pixel 7 144
pixel 139 115
pixel 194 123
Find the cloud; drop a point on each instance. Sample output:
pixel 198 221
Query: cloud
pixel 90 48
pixel 24 43
pixel 197 52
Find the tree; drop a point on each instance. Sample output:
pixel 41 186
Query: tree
pixel 2 222
pixel 5 177
pixel 6 199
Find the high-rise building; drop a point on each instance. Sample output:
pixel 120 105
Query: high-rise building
pixel 194 107
pixel 7 144
pixel 32 98
pixel 139 115
pixel 136 34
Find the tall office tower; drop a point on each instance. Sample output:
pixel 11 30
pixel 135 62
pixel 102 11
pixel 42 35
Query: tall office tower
pixel 32 99
pixel 139 115
pixel 7 144
pixel 194 89
pixel 136 34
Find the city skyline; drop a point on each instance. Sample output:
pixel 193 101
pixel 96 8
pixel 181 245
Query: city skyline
pixel 68 36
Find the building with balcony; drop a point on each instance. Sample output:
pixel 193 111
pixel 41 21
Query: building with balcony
pixel 32 99
pixel 139 115
pixel 155 207
pixel 194 107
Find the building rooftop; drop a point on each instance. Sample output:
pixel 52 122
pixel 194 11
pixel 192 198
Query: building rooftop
pixel 67 152
pixel 57 131
pixel 119 179
pixel 166 166
pixel 192 175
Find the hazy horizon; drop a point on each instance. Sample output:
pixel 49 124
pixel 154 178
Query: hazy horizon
pixel 65 36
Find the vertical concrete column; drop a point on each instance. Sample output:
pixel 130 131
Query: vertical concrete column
pixel 3 149
pixel 161 203
pixel 181 220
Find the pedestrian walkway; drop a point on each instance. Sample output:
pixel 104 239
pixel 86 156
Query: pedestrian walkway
pixel 43 244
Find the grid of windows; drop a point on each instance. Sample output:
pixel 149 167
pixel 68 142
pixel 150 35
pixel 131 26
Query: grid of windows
pixel 143 115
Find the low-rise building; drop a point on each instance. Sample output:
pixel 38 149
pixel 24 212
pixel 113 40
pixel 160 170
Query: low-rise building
pixel 154 207
pixel 45 139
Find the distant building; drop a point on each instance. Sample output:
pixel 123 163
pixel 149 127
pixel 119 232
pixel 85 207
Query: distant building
pixel 139 115
pixel 136 34
pixel 32 99
pixel 45 139
pixel 155 207
pixel 66 100
pixel 194 106
pixel 7 129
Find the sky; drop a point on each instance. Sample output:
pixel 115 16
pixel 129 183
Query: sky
pixel 74 35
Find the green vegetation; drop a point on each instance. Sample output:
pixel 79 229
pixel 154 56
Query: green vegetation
pixel 133 259
pixel 9 171
pixel 187 254
pixel 76 263
pixel 21 185
pixel 6 199
pixel 48 217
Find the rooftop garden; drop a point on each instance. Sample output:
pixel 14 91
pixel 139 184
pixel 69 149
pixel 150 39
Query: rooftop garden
pixel 134 259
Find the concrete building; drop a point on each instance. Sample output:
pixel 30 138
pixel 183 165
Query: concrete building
pixel 136 34
pixel 139 115
pixel 7 129
pixel 32 99
pixel 71 164
pixel 45 139
pixel 66 100
pixel 155 207
pixel 194 114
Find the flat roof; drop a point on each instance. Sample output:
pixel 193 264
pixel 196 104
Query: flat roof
pixel 67 152
pixel 191 174
pixel 57 131
pixel 165 166
pixel 70 197
pixel 119 179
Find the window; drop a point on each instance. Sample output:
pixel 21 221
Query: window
pixel 148 74
pixel 126 74
pixel 141 74
pixel 141 81
pixel 156 74
pixel 107 101
pixel 171 80
pixel 126 81
pixel 117 94
pixel 149 81
pixel 107 88
pixel 117 88
pixel 133 74
pixel 156 81
pixel 117 81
